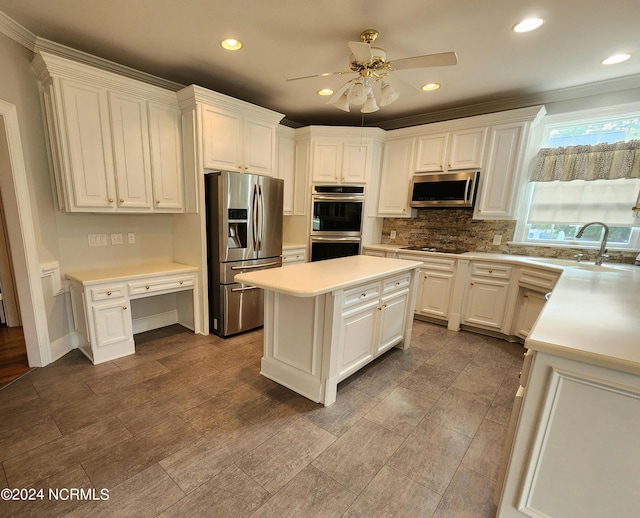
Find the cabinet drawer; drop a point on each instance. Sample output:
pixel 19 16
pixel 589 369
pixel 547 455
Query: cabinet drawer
pixel 107 292
pixel 361 294
pixel 491 270
pixel 537 279
pixel 396 283
pixel 161 284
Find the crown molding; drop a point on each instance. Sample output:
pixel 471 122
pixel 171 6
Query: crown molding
pixel 12 29
pixel 521 101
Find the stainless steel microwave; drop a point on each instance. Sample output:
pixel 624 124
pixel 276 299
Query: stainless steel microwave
pixel 451 189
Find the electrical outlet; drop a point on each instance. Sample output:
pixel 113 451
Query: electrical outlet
pixel 497 239
pixel 131 237
pixel 97 239
pixel 392 234
pixel 116 239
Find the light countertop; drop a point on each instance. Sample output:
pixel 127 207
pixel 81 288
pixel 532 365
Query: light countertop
pixel 316 278
pixel 124 273
pixel 593 314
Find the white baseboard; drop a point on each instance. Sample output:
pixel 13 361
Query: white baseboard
pixel 140 325
pixel 63 345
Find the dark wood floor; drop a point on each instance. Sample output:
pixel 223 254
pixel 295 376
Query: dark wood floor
pixel 13 354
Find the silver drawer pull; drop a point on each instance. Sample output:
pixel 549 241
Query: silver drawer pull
pixel 244 288
pixel 254 266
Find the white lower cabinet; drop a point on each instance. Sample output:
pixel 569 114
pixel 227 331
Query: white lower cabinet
pixel 434 293
pixel 373 320
pixel 113 323
pixel 529 306
pixel 487 295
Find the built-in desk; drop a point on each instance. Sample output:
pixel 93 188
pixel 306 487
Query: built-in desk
pixel 101 303
pixel 325 320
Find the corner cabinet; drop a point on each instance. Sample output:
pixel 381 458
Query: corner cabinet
pixel 487 296
pixel 228 134
pixel 115 142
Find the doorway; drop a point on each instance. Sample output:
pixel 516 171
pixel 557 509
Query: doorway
pixel 13 349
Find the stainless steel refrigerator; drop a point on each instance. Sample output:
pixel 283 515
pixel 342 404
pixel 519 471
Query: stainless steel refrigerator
pixel 244 233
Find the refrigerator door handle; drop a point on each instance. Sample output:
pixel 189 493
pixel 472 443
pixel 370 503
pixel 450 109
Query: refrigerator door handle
pixel 244 288
pixel 260 217
pixel 256 266
pixel 254 219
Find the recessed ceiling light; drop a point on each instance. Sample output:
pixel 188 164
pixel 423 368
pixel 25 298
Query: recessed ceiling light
pixel 529 24
pixel 325 91
pixel 231 44
pixel 430 86
pixel 617 58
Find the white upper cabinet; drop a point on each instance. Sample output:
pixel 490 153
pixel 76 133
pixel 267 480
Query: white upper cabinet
pixel 341 161
pixel 460 149
pixel 285 165
pixel 228 134
pixel 397 169
pixel 102 130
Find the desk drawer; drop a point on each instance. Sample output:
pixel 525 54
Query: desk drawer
pixel 99 293
pixel 161 284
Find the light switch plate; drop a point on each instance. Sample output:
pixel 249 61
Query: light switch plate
pixel 132 238
pixel 116 239
pixel 392 234
pixel 497 239
pixel 97 239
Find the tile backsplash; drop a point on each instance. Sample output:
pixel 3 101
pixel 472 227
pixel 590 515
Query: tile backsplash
pixel 456 229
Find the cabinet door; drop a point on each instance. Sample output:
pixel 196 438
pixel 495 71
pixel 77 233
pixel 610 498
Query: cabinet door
pixel 285 156
pixel 357 344
pixel 431 152
pixel 486 302
pixel 112 323
pixel 326 162
pixel 166 158
pixel 221 136
pixel 86 117
pixel 392 319
pixel 356 161
pixel 397 167
pixel 434 294
pixel 129 127
pixel 467 149
pixel 530 304
pixel 258 145
pixel 497 182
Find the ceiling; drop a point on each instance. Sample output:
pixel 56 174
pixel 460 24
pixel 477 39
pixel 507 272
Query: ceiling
pixel 179 41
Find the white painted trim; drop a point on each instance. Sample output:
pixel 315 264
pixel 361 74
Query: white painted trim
pixel 51 271
pixel 28 284
pixel 140 325
pixel 63 345
pixel 12 29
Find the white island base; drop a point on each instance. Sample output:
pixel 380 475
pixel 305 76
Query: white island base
pixel 327 319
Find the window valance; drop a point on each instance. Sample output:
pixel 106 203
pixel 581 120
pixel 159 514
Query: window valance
pixel 597 162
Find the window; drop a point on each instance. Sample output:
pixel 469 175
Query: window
pixel 555 210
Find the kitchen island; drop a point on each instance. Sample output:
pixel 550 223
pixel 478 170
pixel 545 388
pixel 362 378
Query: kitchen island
pixel 325 320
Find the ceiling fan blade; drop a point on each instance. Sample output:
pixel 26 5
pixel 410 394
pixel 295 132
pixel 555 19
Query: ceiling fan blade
pixel 361 51
pixel 324 74
pixel 429 60
pixel 338 93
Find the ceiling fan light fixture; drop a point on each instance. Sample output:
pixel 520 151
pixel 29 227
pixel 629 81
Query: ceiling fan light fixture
pixel 343 102
pixel 231 44
pixel 528 24
pixel 387 94
pixel 357 93
pixel 370 105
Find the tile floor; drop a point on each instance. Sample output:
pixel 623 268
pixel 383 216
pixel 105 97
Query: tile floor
pixel 188 427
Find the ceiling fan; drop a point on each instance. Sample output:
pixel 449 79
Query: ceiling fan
pixel 372 67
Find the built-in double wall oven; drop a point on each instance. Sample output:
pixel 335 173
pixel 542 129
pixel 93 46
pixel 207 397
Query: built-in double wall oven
pixel 336 224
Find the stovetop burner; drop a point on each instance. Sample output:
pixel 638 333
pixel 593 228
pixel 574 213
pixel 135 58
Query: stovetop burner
pixel 433 249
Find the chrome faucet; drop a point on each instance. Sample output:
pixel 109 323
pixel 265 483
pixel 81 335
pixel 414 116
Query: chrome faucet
pixel 601 255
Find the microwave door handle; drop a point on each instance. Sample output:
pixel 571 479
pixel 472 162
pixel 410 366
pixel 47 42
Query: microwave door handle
pixel 466 191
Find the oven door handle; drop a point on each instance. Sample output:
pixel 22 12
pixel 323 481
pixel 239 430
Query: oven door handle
pixel 333 239
pixel 322 197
